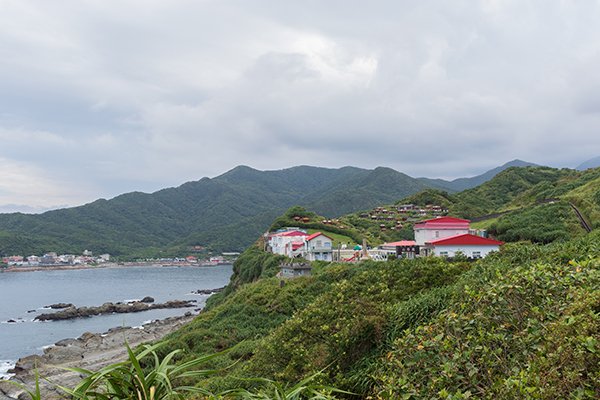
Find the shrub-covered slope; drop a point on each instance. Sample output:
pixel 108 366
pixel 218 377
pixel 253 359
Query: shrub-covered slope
pixel 524 323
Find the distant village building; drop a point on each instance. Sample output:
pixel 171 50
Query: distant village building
pixel 294 270
pixel 48 259
pixel 401 249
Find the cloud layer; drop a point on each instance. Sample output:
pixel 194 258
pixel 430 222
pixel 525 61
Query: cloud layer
pixel 102 97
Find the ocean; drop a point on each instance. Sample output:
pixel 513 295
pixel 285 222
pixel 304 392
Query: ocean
pixel 23 295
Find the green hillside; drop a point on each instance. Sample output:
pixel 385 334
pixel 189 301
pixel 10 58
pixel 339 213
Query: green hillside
pixel 523 323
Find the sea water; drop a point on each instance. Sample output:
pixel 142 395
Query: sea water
pixel 23 295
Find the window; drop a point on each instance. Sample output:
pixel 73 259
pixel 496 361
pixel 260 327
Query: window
pixel 437 234
pixel 319 243
pixel 476 254
pixel 443 253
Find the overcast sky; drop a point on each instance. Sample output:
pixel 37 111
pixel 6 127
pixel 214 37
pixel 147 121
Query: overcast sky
pixel 103 97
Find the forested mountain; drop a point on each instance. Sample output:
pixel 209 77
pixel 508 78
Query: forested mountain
pixel 224 213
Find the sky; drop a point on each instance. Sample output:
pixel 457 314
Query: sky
pixel 104 97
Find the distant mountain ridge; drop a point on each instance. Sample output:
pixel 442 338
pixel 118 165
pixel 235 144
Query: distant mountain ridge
pixel 591 163
pixel 460 184
pixel 225 212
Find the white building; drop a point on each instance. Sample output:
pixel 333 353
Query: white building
pixel 318 247
pixel 439 228
pixel 281 242
pixel 469 245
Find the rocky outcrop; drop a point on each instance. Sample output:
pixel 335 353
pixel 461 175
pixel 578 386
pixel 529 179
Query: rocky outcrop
pixel 112 308
pixel 59 306
pixel 209 291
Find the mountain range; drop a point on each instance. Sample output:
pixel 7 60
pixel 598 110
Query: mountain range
pixel 223 213
pixel 591 163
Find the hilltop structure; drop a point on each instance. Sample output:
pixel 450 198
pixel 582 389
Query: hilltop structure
pixel 296 243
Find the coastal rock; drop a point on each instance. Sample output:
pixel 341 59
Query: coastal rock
pixel 26 364
pixel 209 291
pixel 90 351
pixel 110 308
pixel 61 354
pixel 66 342
pixel 11 321
pixel 147 299
pixel 58 306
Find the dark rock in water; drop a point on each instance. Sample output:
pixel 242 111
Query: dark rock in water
pixel 147 299
pixel 110 308
pixel 188 314
pixel 58 306
pixel 11 321
pixel 209 291
pixel 32 311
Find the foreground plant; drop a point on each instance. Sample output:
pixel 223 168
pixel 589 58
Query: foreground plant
pixel 128 380
pixel 271 390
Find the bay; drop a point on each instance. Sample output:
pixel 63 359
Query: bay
pixel 23 292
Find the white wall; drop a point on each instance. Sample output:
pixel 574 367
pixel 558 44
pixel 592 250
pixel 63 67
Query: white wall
pixel 464 249
pixel 423 236
pixel 319 248
pixel 282 244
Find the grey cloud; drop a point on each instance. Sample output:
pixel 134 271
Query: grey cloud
pixel 138 96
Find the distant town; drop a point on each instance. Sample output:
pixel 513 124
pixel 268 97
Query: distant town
pixel 87 258
pixel 53 259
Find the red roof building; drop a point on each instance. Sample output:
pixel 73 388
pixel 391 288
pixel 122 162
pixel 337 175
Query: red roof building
pixel 466 239
pixel 439 228
pixel 469 245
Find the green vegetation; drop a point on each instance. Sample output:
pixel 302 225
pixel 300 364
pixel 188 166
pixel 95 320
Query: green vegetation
pixel 426 328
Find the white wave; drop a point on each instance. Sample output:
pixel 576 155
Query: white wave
pixel 5 365
pixel 131 300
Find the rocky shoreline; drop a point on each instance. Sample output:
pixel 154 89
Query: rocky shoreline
pixel 90 351
pixel 69 311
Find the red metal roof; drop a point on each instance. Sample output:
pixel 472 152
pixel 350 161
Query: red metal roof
pixel 466 240
pixel 314 235
pixel 297 245
pixel 291 233
pixel 400 243
pixel 445 220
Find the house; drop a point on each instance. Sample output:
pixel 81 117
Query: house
pixel 469 245
pixel 439 228
pixel 293 270
pixel 318 247
pixel 401 249
pixel 281 242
